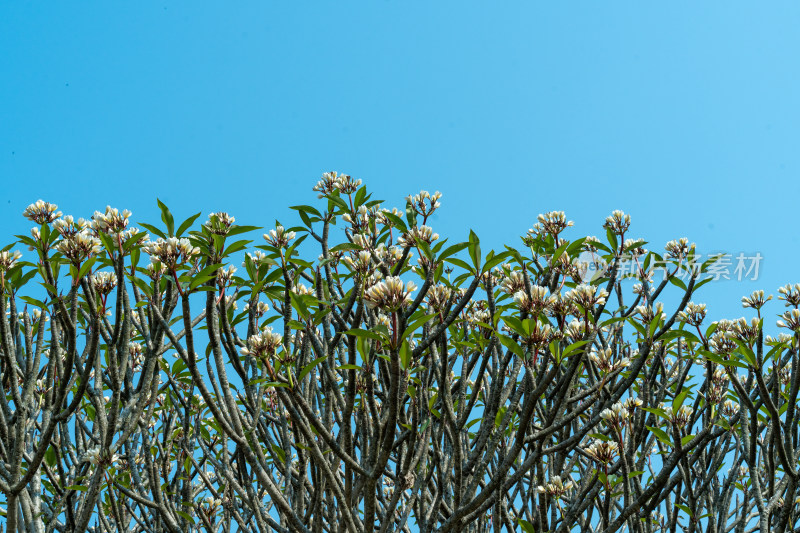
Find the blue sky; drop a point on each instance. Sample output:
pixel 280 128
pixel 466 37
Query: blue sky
pixel 686 116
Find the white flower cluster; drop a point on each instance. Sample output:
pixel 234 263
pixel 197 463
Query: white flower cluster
pixel 391 255
pixel 361 217
pixel 8 259
pixel 604 360
pixel 35 315
pixel 693 314
pixel 416 235
pixel 678 249
pixel 104 282
pixel 172 251
pixel 538 301
pixel 554 222
pixel 77 246
pixel 790 294
pixel 747 332
pixel 513 282
pixel 358 262
pixel 390 294
pixel 756 300
pixel 618 222
pixel 603 451
pixel 41 212
pixel 95 457
pixel 437 297
pixel 719 386
pixel 279 237
pixel 263 344
pixel 418 204
pixel 587 296
pixel 260 308
pixel 590 244
pixel 617 416
pixel 575 330
pixel 680 418
pixel 556 487
pixel 219 223
pixel 112 221
pixel 381 217
pixel 332 181
pixel 729 408
pixel 258 258
pixel 635 251
pixel 790 320
pixel 648 314
pixel 67 226
pixel 225 275
pixel 136 351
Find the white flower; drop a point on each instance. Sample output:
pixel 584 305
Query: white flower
pixel 171 251
pixel 112 221
pixel 279 237
pixel 263 344
pixel 104 282
pixel 8 259
pixel 41 212
pixel 618 222
pixel 390 294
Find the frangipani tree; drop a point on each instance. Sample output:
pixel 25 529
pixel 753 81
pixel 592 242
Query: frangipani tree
pixel 375 377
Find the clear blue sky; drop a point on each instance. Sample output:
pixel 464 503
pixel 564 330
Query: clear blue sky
pixel 684 114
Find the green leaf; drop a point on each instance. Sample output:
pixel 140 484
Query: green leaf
pixel 475 250
pixel 310 366
pixel 460 263
pixel 238 230
pixel 493 260
pixel 154 230
pixel 236 247
pixel 307 209
pixel 526 526
pixel 411 215
pixel 167 218
pixel 299 304
pixel 573 347
pixel 677 282
pixel 416 324
pixel 186 224
pixel 85 267
pixel 509 343
pixel 612 240
pixel 396 221
pixel 50 456
pixel 208 273
pixel 365 334
pixel 498 419
pixel 680 398
pixel 661 435
pixel 335 199
pixel 133 241
pixel 452 250
pixel 559 252
pixel 405 355
pixel 345 247
pixel 33 301
pixel 714 358
pixel 746 352
pixel 685 509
